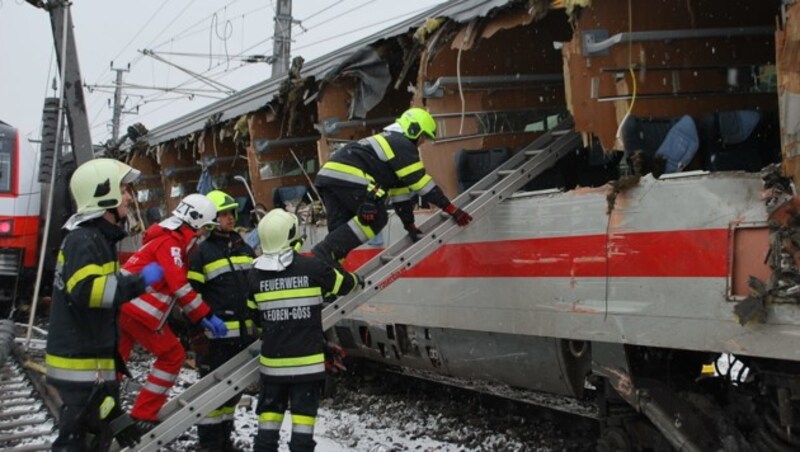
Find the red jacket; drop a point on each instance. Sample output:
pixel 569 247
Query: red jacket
pixel 168 248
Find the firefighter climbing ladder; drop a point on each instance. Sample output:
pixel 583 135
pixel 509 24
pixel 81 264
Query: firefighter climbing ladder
pixel 207 394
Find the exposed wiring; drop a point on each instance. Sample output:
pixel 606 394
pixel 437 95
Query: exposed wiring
pixel 618 136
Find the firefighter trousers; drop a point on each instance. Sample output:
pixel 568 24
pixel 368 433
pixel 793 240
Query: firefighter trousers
pixel 214 432
pixel 345 230
pixel 273 400
pixel 169 355
pixel 77 426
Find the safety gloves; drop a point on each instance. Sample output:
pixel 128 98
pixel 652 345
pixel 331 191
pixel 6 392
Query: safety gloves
pixel 214 325
pixel 152 273
pixel 368 210
pixel 461 217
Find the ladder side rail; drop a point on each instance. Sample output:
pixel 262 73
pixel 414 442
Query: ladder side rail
pixel 209 381
pixel 191 414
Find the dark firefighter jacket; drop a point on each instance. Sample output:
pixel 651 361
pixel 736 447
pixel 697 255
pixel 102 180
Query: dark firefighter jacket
pixel 218 271
pixel 87 291
pixel 388 160
pixel 289 303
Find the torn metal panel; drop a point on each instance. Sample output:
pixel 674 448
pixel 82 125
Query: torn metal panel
pixel 788 63
pixel 373 77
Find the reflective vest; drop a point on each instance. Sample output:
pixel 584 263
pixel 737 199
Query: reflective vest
pixel 87 290
pixel 289 306
pixel 387 160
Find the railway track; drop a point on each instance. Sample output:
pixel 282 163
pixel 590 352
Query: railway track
pixel 27 409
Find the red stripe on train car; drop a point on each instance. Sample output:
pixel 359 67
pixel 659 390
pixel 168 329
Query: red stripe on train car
pixel 686 253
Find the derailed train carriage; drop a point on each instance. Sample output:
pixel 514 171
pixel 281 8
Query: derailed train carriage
pixel 598 281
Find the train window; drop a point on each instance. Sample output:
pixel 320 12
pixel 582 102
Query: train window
pixel 287 167
pixel 6 161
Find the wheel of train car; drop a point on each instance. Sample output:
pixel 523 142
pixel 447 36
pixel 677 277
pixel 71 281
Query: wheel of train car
pixel 614 439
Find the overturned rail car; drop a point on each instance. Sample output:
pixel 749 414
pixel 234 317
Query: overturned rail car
pixel 654 249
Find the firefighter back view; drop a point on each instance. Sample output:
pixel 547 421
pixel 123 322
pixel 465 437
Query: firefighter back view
pixel 288 290
pixel 363 176
pixel 144 319
pixel 87 292
pixel 218 271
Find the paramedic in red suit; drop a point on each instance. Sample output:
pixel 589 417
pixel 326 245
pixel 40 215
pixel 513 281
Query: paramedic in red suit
pixel 143 319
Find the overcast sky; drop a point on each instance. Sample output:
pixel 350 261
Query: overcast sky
pixel 115 30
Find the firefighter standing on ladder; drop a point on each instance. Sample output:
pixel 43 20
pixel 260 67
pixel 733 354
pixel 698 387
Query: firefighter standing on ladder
pixel 88 289
pixel 288 290
pixel 354 183
pixel 144 318
pixel 218 271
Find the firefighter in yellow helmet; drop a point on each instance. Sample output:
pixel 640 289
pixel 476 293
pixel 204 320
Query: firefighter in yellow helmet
pixel 363 176
pixel 287 290
pixel 218 270
pixel 87 292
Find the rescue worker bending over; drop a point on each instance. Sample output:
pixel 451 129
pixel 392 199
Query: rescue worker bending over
pixel 218 271
pixel 144 319
pixel 288 289
pixel 355 182
pixel 87 291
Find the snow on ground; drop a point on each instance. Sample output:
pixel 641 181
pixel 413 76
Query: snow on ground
pixel 375 415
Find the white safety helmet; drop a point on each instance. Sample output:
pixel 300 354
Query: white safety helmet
pixel 277 230
pixel 95 185
pixel 197 211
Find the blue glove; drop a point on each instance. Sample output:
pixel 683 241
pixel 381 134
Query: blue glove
pixel 152 274
pixel 215 326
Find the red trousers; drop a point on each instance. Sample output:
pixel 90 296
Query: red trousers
pixel 169 355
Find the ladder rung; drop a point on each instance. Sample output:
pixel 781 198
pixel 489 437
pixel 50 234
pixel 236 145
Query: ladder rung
pixel 533 152
pixel 386 257
pixel 476 193
pixel 505 172
pixel 182 402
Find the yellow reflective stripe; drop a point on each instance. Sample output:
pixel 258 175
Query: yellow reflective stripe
pixel 424 180
pixel 339 280
pixel 405 171
pixel 96 295
pixel 347 169
pixel 61 258
pixel 399 191
pixel 91 270
pixel 366 229
pixel 293 362
pixel 234 325
pixel 216 265
pixel 241 260
pixel 303 420
pixel 79 363
pixel 196 276
pixel 252 304
pixel 379 192
pixel 387 149
pixel 270 417
pixel 288 293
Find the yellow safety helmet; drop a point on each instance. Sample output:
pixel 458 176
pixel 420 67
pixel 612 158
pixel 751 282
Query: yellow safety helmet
pixel 95 185
pixel 415 122
pixel 277 231
pixel 223 202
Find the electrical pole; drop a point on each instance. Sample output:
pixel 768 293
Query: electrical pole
pixel 282 38
pixel 115 120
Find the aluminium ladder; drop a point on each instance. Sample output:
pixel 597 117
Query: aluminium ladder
pixel 191 406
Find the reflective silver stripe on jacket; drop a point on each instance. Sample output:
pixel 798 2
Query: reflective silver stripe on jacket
pixel 290 371
pixel 147 307
pixel 196 302
pixel 183 290
pixel 107 301
pixel 156 388
pixel 80 376
pixel 376 147
pixel 289 303
pixel 161 375
pixel 356 228
pixel 333 174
